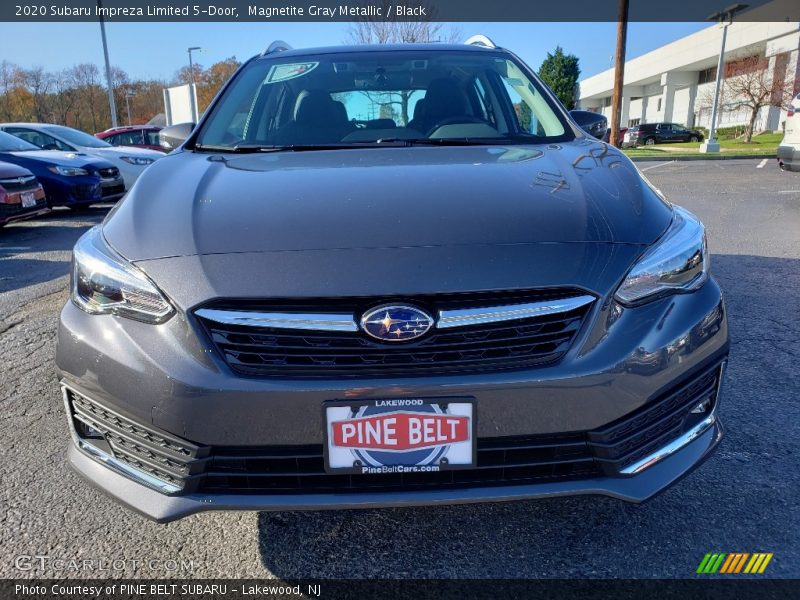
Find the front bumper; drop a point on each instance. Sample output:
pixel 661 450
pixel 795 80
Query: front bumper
pixel 165 378
pixel 789 158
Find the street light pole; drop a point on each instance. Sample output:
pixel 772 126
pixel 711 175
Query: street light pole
pixel 128 95
pixel 725 18
pixel 192 89
pixel 112 105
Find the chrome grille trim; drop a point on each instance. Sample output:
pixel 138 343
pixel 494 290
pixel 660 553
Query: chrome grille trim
pixel 347 323
pixel 497 314
pixel 309 322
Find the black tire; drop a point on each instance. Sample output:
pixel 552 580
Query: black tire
pixel 693 138
pixel 651 141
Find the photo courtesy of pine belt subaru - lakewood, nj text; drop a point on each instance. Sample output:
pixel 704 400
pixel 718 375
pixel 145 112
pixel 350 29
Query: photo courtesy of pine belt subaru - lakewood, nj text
pixel 389 276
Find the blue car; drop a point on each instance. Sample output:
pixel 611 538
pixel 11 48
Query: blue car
pixel 69 178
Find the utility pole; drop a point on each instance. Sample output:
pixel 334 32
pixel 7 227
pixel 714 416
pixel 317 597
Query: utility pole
pixel 725 18
pixel 112 105
pixel 619 72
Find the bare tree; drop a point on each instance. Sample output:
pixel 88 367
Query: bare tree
pixel 86 77
pixel 11 80
pixel 377 30
pixel 38 83
pixel 750 85
pixel 64 95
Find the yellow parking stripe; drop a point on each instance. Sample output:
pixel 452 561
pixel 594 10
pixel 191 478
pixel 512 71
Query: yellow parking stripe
pixel 765 563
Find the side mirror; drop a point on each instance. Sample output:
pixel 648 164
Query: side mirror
pixel 173 136
pixel 592 123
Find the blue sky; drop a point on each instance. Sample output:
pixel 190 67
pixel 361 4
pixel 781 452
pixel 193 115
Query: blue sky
pixel 157 50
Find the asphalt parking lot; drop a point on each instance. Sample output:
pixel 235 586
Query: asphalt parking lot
pixel 744 499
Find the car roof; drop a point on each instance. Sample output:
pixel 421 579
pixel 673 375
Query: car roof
pixel 429 47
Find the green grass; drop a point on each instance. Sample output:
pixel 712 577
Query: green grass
pixel 765 144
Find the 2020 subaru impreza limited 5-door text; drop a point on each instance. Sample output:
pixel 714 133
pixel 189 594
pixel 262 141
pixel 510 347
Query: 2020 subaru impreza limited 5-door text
pixel 382 276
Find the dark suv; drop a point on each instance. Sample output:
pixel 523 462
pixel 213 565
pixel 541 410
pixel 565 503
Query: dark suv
pixel 387 276
pixel 648 134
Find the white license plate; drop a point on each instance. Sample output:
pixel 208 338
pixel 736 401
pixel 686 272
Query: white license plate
pixel 28 199
pixel 406 435
pixel 627 137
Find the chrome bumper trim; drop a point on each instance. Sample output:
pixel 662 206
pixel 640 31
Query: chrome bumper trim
pixel 496 314
pixel 671 448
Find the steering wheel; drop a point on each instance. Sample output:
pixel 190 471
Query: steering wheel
pixel 454 120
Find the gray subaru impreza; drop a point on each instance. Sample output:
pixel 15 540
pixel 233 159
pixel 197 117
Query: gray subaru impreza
pixel 389 276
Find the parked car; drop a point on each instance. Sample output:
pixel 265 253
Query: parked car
pixel 789 148
pixel 136 136
pixel 21 195
pixel 484 303
pixel 647 134
pixel 69 178
pixel 131 162
pixel 595 124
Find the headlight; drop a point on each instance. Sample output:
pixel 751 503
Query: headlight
pixel 677 263
pixel 137 160
pixel 105 283
pixel 68 171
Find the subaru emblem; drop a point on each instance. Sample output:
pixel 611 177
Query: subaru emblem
pixel 396 323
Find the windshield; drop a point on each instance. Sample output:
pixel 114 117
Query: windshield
pixel 11 143
pixel 356 98
pixel 78 138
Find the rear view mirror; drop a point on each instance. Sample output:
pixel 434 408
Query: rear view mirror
pixel 592 123
pixel 173 136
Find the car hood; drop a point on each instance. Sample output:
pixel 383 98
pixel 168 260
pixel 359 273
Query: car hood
pixel 64 159
pixel 8 171
pixel 119 151
pixel 201 204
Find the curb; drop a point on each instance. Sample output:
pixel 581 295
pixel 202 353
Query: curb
pixel 699 157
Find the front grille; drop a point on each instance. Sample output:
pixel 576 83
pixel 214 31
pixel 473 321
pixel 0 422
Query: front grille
pixel 19 184
pixel 501 461
pixel 517 344
pixel 86 191
pixel 109 173
pixel 113 190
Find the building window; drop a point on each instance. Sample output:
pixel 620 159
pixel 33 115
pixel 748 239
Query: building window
pixel 633 122
pixel 707 75
pixel 607 101
pixel 658 108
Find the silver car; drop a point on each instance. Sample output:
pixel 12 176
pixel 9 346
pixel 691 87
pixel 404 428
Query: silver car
pixel 389 276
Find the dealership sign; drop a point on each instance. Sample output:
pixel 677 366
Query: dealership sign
pixel 399 435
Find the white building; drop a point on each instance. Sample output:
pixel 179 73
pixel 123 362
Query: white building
pixel 674 83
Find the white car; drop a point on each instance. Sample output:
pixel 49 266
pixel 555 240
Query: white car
pixel 130 161
pixel 789 149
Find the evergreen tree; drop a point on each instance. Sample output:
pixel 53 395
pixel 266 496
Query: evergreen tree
pixel 561 71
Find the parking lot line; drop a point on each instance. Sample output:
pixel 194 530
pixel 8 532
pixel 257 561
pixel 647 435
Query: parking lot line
pixel 669 162
pixel 761 164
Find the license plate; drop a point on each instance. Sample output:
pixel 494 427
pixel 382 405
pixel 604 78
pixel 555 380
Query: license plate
pixel 627 137
pixel 28 199
pixel 405 435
